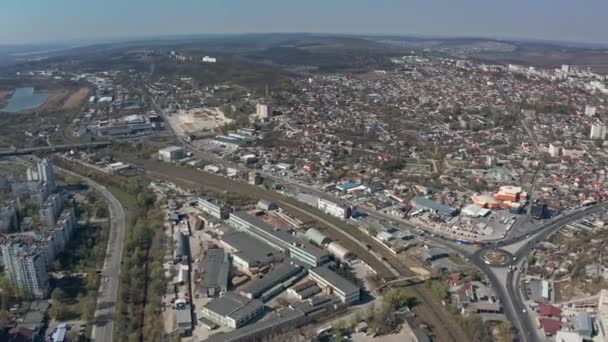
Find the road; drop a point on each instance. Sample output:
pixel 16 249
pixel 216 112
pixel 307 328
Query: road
pixel 105 310
pixel 512 300
pixel 54 148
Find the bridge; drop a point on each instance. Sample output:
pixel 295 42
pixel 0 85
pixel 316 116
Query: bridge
pixel 54 148
pixel 406 281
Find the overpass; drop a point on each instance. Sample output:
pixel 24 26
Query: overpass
pixel 54 148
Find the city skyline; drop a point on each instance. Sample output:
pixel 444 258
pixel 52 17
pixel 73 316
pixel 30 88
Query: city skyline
pixel 69 20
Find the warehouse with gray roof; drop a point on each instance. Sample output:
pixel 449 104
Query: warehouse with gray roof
pixel 249 255
pixel 298 249
pixel 345 290
pixel 215 272
pixel 232 310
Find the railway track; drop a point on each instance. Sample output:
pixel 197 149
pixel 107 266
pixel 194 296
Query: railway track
pixel 387 265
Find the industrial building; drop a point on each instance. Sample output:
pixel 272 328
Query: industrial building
pixel 346 291
pixel 424 203
pixel 278 322
pixel 232 310
pixel 172 153
pixel 334 209
pixel 183 320
pixel 213 208
pixel 281 240
pixel 257 288
pixel 215 272
pixel 315 235
pixel 266 205
pixel 249 255
pixel 181 252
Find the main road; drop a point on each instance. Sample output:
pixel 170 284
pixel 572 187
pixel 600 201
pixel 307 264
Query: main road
pixel 105 309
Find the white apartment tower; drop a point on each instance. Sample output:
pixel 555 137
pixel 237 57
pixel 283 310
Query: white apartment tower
pixel 598 132
pixel 590 110
pixel 25 267
pixel 262 110
pixel 46 174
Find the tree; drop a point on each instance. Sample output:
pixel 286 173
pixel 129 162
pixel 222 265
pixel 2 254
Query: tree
pixel 59 311
pixel 58 295
pixel 101 211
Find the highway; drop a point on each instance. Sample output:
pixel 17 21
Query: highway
pixel 103 322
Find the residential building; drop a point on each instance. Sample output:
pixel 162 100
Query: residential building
pixel 262 110
pixel 46 174
pixel 8 217
pixel 25 266
pixel 598 132
pixel 50 210
pixel 346 291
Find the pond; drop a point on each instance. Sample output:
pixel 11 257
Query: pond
pixel 24 99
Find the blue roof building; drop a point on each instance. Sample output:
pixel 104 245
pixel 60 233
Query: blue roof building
pixel 583 325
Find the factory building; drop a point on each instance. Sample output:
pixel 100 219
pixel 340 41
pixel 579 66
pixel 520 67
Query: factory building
pixel 315 235
pixel 249 255
pixel 281 240
pixel 171 154
pixel 213 208
pixel 215 272
pixel 232 310
pixel 346 291
pixel 424 203
pixel 339 252
pixel 257 288
pixel 334 209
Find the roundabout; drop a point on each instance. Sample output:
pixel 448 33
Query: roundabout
pixel 496 257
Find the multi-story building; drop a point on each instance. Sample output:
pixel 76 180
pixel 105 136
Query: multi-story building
pixel 50 210
pixel 232 310
pixel 8 217
pixel 346 291
pixel 262 110
pixel 279 239
pixel 46 173
pixel 213 208
pixel 598 132
pixel 25 266
pixel 334 209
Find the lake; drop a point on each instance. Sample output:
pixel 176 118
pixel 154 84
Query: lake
pixel 24 99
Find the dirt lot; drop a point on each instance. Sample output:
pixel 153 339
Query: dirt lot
pixel 76 99
pixel 188 121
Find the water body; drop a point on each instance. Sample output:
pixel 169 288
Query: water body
pixel 24 99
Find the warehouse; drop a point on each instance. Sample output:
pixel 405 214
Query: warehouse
pixel 339 252
pixel 172 153
pixel 282 240
pixel 212 208
pixel 214 273
pixel 315 235
pixel 232 310
pixel 424 203
pixel 249 255
pixel 346 291
pixel 334 209
pixel 282 272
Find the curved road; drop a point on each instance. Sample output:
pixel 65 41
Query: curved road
pixel 105 310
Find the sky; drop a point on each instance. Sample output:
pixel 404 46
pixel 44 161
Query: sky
pixel 49 21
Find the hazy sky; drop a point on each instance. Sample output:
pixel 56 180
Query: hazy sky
pixel 26 21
